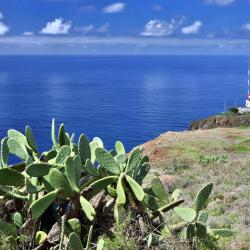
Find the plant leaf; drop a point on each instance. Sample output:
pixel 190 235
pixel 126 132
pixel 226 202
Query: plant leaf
pixel 101 184
pixel 11 177
pixel 75 242
pixel 107 161
pixel 38 169
pixel 121 197
pixel 62 154
pixel 84 148
pixel 17 149
pixel 202 197
pixel 120 148
pixel 39 206
pixel 87 208
pixel 31 139
pixel 136 188
pixel 186 213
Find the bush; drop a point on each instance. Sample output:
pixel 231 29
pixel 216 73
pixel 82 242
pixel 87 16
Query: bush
pixel 234 110
pixel 76 196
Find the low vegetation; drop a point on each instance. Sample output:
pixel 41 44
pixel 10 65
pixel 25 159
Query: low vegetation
pixel 83 196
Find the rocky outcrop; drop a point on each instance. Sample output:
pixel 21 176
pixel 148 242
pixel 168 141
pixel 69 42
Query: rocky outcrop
pixel 221 121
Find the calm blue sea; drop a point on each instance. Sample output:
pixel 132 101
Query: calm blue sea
pixel 127 98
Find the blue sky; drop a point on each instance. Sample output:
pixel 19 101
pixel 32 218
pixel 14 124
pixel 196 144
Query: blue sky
pixel 125 27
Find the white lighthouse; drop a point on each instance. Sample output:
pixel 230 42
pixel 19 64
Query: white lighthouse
pixel 248 95
pixel 246 109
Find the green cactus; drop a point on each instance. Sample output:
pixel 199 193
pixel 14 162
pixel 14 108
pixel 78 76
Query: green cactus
pixel 100 244
pixel 90 234
pixel 202 217
pixel 17 149
pixel 11 177
pixel 12 192
pixel 72 174
pixel 187 214
pixel 101 184
pixel 39 206
pixel 136 188
pixel 87 208
pixel 73 225
pixel 59 182
pixel 4 152
pixel 30 187
pixel 107 161
pixel 53 134
pixel 202 197
pixel 121 197
pixel 201 230
pixel 62 138
pixel 40 237
pixel 190 231
pixel 17 136
pixel 63 221
pixel 62 155
pixel 38 169
pixel 159 190
pixel 84 148
pixel 31 139
pixel 17 219
pixel 90 168
pixel 75 242
pixel 134 160
pixel 120 150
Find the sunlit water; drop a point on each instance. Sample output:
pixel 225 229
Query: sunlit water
pixel 130 98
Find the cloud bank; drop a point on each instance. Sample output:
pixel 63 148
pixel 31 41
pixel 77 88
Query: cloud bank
pixel 158 27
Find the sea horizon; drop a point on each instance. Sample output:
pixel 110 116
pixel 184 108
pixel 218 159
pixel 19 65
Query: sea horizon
pixel 132 98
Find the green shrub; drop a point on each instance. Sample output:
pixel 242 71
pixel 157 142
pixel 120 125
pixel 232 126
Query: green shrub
pixel 78 192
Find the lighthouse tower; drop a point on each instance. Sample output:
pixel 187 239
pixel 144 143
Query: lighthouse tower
pixel 248 90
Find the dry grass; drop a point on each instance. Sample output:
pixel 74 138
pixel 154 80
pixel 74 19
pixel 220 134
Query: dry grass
pixel 229 205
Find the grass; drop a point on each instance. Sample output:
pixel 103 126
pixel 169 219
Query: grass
pixel 229 204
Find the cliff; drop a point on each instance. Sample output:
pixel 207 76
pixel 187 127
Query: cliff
pixel 221 121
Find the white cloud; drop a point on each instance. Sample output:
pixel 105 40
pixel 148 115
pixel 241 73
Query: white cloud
pixel 192 29
pixel 85 29
pixel 158 27
pixel 28 33
pixel 56 27
pixel 246 27
pixel 3 28
pixel 220 2
pixel 114 8
pixel 104 28
pixel 157 7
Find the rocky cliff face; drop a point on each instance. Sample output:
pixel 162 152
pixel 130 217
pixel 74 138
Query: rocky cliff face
pixel 221 121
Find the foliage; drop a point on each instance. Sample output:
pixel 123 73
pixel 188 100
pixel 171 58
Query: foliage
pixel 209 159
pixel 76 193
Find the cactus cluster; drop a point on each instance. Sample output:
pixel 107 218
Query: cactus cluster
pixel 69 190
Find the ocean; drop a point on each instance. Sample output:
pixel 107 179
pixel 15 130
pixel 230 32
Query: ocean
pixel 127 98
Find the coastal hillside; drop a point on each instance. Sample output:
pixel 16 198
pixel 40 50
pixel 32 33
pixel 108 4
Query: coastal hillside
pixel 222 155
pixel 221 121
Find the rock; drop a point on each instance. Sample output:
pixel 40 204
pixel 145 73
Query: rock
pixel 169 182
pixel 221 121
pixel 230 196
